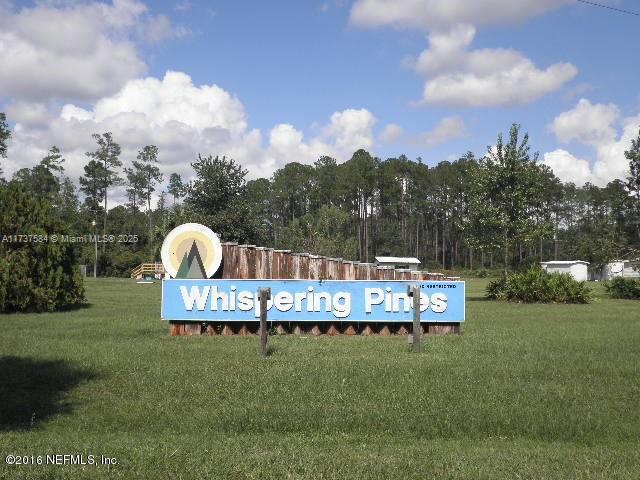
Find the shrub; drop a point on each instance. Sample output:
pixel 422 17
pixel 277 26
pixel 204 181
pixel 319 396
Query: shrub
pixel 620 287
pixel 537 286
pixel 35 275
pixel 482 273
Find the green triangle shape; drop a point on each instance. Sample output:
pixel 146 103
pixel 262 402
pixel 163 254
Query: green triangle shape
pixel 183 270
pixel 191 265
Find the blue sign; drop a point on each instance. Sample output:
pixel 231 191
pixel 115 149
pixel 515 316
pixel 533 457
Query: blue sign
pixel 311 300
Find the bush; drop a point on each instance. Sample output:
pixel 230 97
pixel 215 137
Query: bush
pixel 35 275
pixel 537 286
pixel 482 273
pixel 620 287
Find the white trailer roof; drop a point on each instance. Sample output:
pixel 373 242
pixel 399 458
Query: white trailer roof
pixel 408 260
pixel 564 262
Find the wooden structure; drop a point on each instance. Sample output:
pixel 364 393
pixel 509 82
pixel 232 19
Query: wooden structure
pixel 155 270
pixel 251 262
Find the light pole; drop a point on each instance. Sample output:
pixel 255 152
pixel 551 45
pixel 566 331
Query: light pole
pixel 95 240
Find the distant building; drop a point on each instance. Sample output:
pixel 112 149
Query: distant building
pixel 398 262
pixel 578 269
pixel 619 268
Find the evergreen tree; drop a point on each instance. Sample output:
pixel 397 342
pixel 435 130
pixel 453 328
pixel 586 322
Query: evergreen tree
pixel 176 187
pixel 150 174
pixel 37 275
pixel 218 182
pixel 107 155
pixel 5 134
pixel 633 180
pixel 92 184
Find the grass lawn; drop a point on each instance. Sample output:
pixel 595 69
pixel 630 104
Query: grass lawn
pixel 527 392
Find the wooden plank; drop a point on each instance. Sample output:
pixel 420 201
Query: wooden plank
pixel 323 272
pixel 193 328
pixel 334 269
pixel 362 269
pixel 373 272
pixel 332 331
pixel 296 268
pixel 261 268
pixel 243 262
pixel 251 261
pixel 314 267
pixel 227 330
pixel 304 266
pixel 443 328
pixel 176 329
pixel 279 267
pixel 269 260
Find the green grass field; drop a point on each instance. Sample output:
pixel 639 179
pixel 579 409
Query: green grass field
pixel 527 392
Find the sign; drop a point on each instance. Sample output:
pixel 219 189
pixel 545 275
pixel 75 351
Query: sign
pixel 191 250
pixel 311 300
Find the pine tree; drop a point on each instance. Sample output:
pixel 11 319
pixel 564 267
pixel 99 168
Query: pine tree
pixel 633 180
pixel 5 134
pixel 107 155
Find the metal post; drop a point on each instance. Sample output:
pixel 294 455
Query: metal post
pixel 95 240
pixel 414 291
pixel 264 294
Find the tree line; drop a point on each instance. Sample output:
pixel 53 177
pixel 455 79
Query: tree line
pixel 503 209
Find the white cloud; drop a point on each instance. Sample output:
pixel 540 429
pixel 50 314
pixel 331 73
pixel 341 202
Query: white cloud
pixel 587 123
pixel 28 114
pixel 430 14
pixel 160 28
pixel 182 119
pixel 73 49
pixel 183 6
pixel 446 129
pixel 567 167
pixel 483 77
pixel 351 129
pixel 391 133
pixel 593 125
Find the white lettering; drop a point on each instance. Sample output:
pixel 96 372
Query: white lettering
pixel 195 296
pixel 369 299
pixel 342 304
pixel 438 302
pixel 245 300
pixel 283 301
pixel 215 296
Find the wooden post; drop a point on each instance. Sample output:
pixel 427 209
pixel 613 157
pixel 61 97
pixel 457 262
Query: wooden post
pixel 264 294
pixel 414 291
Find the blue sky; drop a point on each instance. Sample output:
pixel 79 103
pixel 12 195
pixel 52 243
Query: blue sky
pixel 294 64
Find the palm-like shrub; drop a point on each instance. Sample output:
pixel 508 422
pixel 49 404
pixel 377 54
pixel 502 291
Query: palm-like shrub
pixel 619 287
pixel 537 286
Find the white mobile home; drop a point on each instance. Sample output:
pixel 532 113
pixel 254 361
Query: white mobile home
pixel 619 268
pixel 578 269
pixel 398 262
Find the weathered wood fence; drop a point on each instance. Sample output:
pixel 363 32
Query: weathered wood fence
pixel 251 262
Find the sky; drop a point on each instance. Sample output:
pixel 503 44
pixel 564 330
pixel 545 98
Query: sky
pixel 268 83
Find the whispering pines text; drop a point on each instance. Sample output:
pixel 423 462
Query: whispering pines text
pixel 338 303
